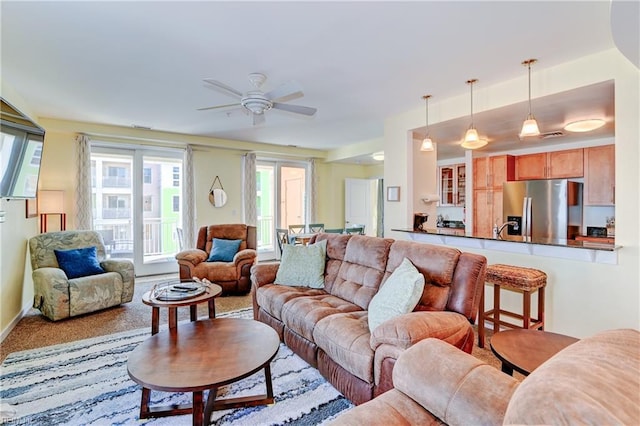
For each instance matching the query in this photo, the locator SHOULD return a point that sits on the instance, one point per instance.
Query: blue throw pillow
(79, 262)
(223, 250)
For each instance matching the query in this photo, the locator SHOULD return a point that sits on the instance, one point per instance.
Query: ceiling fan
(256, 102)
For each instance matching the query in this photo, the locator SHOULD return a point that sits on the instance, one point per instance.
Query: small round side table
(212, 291)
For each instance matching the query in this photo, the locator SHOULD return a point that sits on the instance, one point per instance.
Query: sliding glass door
(281, 201)
(137, 205)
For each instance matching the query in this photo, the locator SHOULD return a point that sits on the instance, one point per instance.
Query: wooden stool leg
(541, 307)
(496, 308)
(526, 296)
(481, 320)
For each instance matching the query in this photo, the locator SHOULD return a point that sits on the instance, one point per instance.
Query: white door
(360, 204)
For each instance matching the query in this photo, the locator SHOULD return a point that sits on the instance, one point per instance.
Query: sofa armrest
(246, 254)
(192, 256)
(51, 292)
(264, 273)
(406, 330)
(124, 267)
(453, 385)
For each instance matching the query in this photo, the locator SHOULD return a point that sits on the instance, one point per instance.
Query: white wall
(582, 298)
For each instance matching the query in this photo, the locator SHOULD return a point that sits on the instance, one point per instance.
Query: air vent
(137, 126)
(548, 135)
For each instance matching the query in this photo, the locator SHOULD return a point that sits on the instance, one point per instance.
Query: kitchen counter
(569, 249)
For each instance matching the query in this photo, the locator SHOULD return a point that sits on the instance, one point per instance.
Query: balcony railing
(160, 238)
(119, 213)
(265, 232)
(116, 182)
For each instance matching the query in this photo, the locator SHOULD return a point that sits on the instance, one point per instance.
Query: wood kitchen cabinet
(489, 174)
(551, 165)
(599, 176)
(452, 184)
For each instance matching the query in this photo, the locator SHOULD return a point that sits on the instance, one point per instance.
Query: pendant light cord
(470, 83)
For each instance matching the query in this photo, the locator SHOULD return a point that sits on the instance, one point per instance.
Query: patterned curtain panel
(188, 218)
(250, 210)
(313, 191)
(84, 214)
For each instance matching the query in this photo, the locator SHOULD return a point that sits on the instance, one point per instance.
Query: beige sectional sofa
(328, 326)
(594, 381)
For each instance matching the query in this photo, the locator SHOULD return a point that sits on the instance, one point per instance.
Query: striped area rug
(86, 383)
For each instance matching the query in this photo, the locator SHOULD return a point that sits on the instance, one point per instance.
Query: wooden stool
(515, 278)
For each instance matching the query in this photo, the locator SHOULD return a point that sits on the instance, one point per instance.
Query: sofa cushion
(336, 249)
(223, 250)
(594, 381)
(398, 295)
(272, 297)
(215, 271)
(92, 293)
(345, 338)
(436, 263)
(225, 232)
(362, 270)
(79, 262)
(302, 265)
(301, 314)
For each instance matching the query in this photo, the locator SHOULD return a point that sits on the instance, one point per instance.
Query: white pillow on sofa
(302, 265)
(399, 294)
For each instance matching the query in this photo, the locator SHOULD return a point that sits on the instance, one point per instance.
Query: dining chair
(282, 235)
(295, 229)
(334, 230)
(359, 230)
(316, 227)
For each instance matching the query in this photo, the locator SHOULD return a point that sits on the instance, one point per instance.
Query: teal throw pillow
(79, 262)
(399, 295)
(302, 266)
(223, 250)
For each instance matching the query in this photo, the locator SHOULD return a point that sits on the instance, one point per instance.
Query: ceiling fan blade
(298, 109)
(219, 107)
(285, 92)
(221, 87)
(258, 119)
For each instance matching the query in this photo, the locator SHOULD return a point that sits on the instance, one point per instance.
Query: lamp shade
(51, 202)
(529, 128)
(427, 144)
(471, 135)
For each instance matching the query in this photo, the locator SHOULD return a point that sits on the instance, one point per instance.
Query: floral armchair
(57, 296)
(233, 274)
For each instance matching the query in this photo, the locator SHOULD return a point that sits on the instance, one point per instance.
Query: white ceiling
(142, 63)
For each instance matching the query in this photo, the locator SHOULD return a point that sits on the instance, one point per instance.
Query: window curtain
(313, 191)
(250, 210)
(188, 218)
(84, 210)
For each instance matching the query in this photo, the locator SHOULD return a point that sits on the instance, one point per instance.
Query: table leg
(197, 409)
(155, 320)
(481, 320)
(212, 308)
(208, 410)
(267, 379)
(507, 369)
(144, 403)
(173, 317)
(193, 312)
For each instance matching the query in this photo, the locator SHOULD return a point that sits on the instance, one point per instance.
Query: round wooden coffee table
(212, 291)
(203, 355)
(524, 350)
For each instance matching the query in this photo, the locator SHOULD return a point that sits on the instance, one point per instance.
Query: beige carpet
(35, 331)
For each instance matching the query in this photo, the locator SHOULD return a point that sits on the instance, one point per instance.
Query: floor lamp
(51, 203)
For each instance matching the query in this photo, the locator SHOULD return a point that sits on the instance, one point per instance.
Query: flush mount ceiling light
(427, 143)
(584, 125)
(471, 138)
(530, 125)
(378, 156)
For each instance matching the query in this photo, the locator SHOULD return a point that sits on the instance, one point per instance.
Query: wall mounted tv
(21, 143)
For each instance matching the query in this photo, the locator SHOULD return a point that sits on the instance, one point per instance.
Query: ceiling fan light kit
(256, 102)
(427, 143)
(530, 125)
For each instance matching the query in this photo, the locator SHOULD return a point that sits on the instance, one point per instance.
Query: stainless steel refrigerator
(544, 211)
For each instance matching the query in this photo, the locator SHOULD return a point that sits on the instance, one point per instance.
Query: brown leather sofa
(328, 327)
(594, 381)
(233, 277)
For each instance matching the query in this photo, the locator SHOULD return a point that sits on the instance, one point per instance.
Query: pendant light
(427, 143)
(471, 138)
(530, 125)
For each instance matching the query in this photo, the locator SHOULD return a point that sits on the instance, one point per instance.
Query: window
(146, 175)
(37, 155)
(176, 203)
(176, 176)
(116, 171)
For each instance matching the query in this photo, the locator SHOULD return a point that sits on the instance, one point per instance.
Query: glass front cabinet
(452, 181)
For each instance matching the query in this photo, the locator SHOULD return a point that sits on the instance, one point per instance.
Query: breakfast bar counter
(584, 251)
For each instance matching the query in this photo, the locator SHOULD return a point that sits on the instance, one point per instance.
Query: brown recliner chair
(234, 276)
